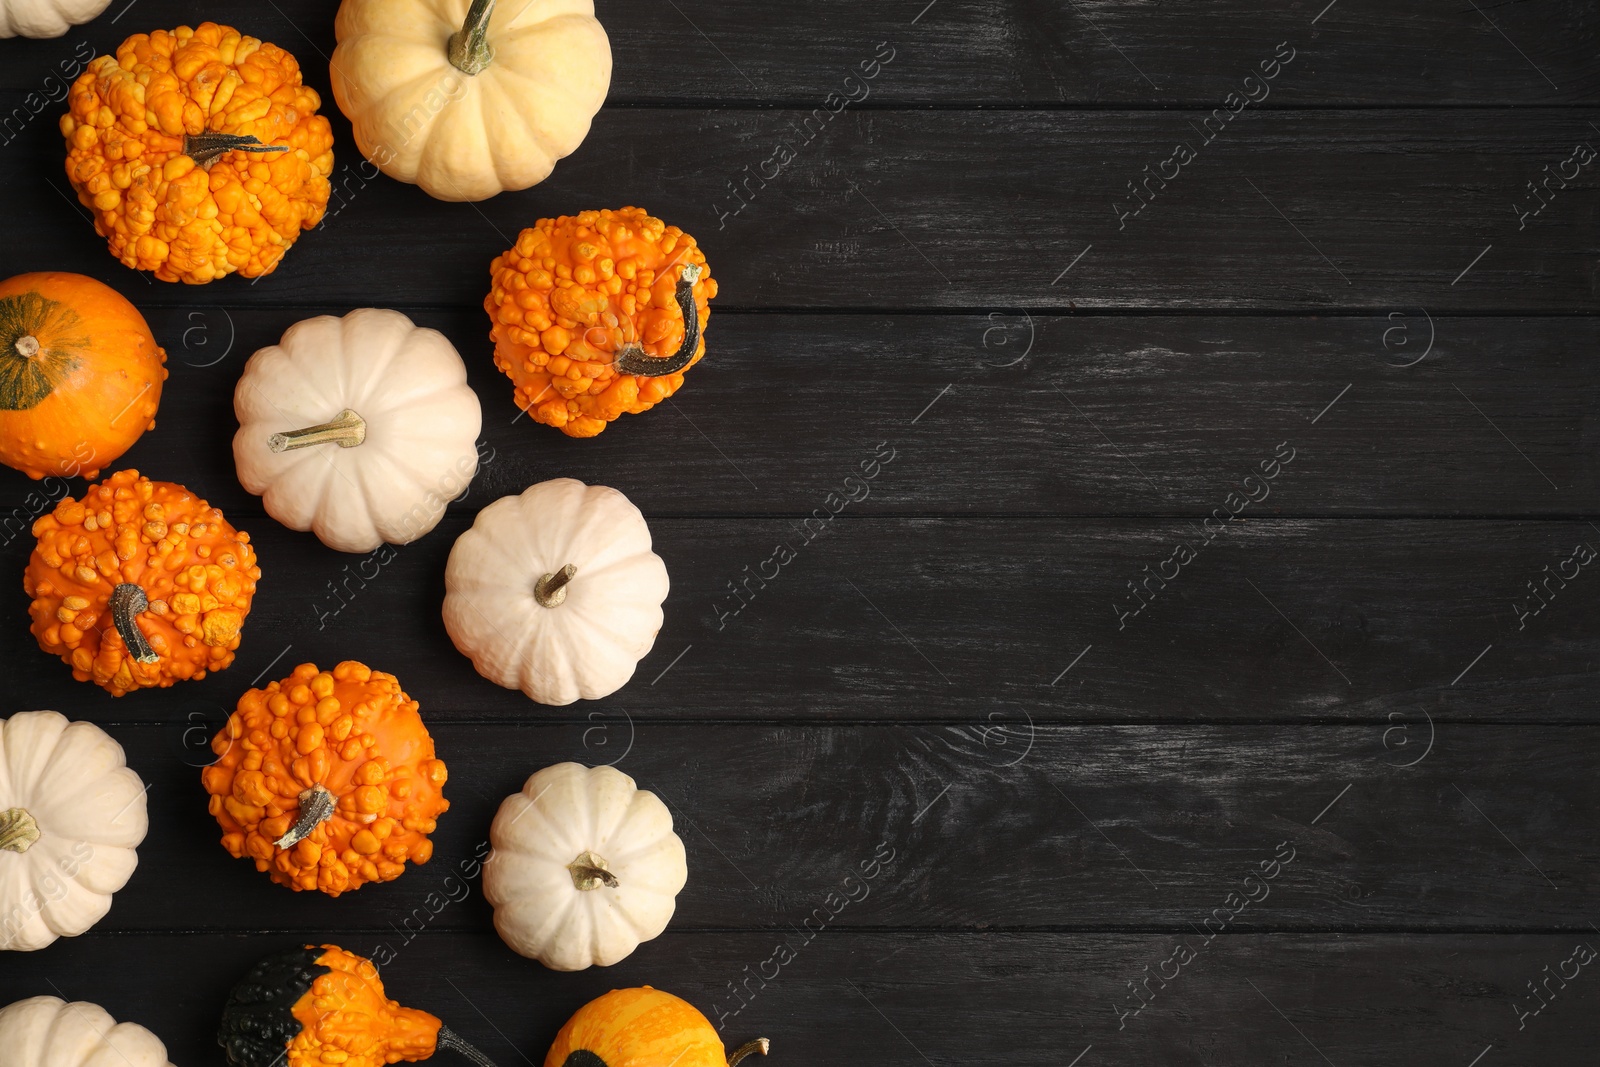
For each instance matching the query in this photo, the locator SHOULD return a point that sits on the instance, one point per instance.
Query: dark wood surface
(1071, 781)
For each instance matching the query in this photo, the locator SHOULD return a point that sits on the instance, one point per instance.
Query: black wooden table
(1181, 668)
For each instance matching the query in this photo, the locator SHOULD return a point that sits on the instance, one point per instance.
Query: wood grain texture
(994, 823)
(918, 998)
(1065, 724)
(1287, 210)
(1004, 413)
(1277, 620)
(1017, 53)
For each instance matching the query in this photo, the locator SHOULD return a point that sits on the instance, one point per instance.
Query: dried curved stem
(128, 601)
(317, 806)
(631, 358)
(206, 148)
(449, 1039)
(760, 1045)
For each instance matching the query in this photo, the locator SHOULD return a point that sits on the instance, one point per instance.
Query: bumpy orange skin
(571, 293)
(640, 1027)
(198, 572)
(347, 1012)
(351, 730)
(160, 211)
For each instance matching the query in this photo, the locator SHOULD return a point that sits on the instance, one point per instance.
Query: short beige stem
(760, 1045)
(551, 590)
(28, 346)
(316, 807)
(346, 429)
(18, 831)
(589, 872)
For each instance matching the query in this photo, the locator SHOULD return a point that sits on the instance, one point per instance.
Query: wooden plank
(1277, 620)
(965, 53)
(921, 209)
(992, 823)
(906, 999)
(1002, 414)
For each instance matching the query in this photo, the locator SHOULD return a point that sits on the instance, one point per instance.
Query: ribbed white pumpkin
(49, 1032)
(46, 18)
(385, 475)
(467, 99)
(585, 867)
(71, 816)
(507, 609)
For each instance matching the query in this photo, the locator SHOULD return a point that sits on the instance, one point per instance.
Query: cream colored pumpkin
(71, 816)
(46, 18)
(49, 1032)
(556, 591)
(465, 98)
(360, 429)
(585, 866)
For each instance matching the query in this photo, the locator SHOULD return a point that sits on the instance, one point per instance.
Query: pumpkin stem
(346, 429)
(469, 46)
(206, 148)
(589, 872)
(551, 590)
(316, 807)
(127, 601)
(28, 346)
(760, 1045)
(449, 1039)
(18, 831)
(631, 358)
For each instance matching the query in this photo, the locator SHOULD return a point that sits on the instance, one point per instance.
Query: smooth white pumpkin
(585, 867)
(71, 817)
(465, 98)
(507, 608)
(360, 429)
(49, 1032)
(46, 18)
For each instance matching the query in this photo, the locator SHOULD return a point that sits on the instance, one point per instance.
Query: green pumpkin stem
(449, 1039)
(128, 601)
(760, 1045)
(469, 46)
(631, 358)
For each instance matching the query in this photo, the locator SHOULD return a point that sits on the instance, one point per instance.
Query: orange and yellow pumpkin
(80, 375)
(139, 584)
(598, 315)
(200, 152)
(643, 1027)
(327, 779)
(321, 1007)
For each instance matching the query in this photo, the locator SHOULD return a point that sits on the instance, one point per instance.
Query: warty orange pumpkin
(200, 152)
(327, 779)
(325, 1007)
(643, 1027)
(139, 584)
(80, 374)
(598, 315)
